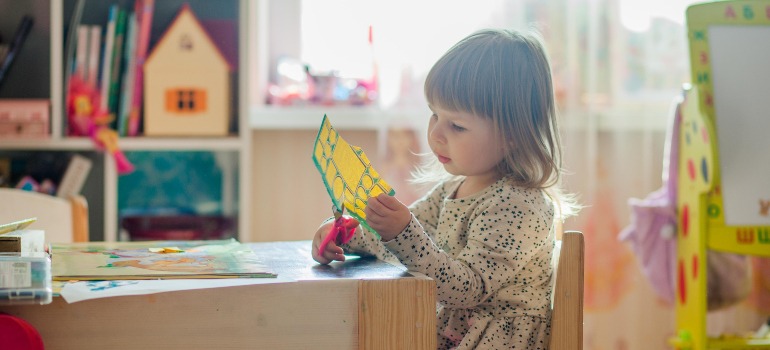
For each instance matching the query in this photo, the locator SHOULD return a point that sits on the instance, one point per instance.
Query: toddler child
(485, 232)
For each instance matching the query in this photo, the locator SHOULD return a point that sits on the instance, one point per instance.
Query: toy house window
(185, 101)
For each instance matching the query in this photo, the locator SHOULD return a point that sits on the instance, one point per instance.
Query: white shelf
(311, 117)
(188, 144)
(44, 144)
(128, 144)
(348, 117)
(372, 118)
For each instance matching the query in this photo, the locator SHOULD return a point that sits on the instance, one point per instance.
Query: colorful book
(117, 57)
(109, 41)
(126, 98)
(144, 11)
(81, 53)
(135, 260)
(94, 46)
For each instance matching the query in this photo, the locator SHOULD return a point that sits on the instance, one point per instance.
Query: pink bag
(652, 237)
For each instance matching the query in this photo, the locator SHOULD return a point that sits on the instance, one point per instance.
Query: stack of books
(110, 59)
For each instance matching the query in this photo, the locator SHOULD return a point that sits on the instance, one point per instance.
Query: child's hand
(332, 251)
(387, 216)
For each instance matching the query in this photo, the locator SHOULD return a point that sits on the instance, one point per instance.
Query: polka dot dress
(490, 255)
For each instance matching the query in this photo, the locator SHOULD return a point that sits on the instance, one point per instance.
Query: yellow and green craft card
(347, 173)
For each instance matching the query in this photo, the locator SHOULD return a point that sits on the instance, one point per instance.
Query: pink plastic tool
(341, 232)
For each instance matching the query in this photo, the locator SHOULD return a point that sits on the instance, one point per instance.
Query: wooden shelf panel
(347, 117)
(232, 143)
(189, 144)
(45, 144)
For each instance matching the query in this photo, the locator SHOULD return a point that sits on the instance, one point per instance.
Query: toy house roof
(186, 9)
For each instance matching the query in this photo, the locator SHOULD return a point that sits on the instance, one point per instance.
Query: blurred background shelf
(128, 144)
(39, 73)
(342, 117)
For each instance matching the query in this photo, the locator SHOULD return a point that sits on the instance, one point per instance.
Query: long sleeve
(365, 243)
(428, 209)
(503, 235)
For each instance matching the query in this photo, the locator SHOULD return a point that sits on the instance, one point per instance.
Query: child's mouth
(443, 159)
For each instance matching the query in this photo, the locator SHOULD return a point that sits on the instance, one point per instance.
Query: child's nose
(436, 134)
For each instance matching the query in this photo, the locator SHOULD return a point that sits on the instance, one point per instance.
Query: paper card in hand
(347, 173)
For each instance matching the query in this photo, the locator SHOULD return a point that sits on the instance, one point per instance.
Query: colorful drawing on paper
(346, 172)
(104, 285)
(135, 260)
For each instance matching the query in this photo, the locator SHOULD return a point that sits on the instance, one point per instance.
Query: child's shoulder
(446, 187)
(506, 191)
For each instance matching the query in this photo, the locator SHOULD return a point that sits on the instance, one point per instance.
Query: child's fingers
(329, 238)
(334, 248)
(320, 258)
(371, 215)
(388, 201)
(333, 252)
(351, 223)
(373, 221)
(376, 207)
(317, 241)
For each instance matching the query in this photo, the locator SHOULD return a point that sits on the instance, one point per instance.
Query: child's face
(464, 143)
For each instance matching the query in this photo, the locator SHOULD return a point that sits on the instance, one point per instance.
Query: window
(621, 60)
(185, 101)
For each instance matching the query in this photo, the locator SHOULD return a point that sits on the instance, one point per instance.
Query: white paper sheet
(739, 58)
(86, 290)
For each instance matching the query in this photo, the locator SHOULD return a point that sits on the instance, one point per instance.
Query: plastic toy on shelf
(298, 83)
(86, 119)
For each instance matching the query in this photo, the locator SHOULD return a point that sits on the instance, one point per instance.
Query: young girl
(485, 232)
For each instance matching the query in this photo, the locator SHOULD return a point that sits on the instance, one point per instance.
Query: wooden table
(356, 304)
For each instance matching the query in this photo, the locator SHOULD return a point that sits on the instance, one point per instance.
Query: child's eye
(457, 127)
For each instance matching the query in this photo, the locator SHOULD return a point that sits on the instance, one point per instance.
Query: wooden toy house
(187, 82)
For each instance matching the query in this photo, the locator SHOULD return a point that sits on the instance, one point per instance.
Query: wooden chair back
(63, 220)
(567, 314)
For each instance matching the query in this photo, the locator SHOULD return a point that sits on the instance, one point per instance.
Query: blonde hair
(504, 75)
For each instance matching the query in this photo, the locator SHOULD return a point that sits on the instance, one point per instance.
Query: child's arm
(426, 210)
(501, 241)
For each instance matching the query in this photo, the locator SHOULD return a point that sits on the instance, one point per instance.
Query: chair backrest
(567, 315)
(63, 220)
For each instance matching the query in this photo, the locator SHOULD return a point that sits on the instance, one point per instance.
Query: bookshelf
(46, 44)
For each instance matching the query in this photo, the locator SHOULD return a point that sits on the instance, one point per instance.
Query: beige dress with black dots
(490, 255)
